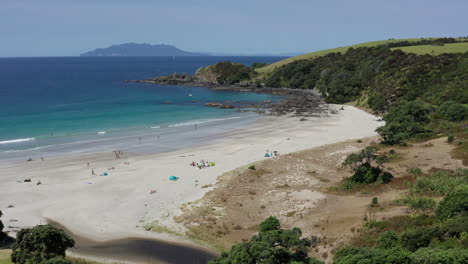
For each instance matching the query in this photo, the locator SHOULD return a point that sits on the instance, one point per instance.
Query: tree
(404, 121)
(356, 160)
(271, 223)
(1, 226)
(40, 243)
(271, 245)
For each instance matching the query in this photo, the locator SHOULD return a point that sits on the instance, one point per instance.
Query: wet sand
(136, 250)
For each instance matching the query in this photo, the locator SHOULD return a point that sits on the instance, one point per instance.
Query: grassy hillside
(436, 50)
(423, 49)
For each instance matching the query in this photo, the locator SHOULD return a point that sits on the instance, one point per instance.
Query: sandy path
(119, 205)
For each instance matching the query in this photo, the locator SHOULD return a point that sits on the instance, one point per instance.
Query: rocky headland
(238, 77)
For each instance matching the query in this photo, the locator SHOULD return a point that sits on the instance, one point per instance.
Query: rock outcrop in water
(238, 77)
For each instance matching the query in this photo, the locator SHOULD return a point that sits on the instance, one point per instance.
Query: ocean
(50, 106)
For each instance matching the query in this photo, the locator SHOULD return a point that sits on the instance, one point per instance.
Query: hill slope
(137, 49)
(420, 49)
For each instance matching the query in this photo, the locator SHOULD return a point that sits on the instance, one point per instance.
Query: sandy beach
(137, 194)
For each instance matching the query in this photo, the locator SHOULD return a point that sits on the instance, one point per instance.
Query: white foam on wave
(156, 127)
(101, 132)
(197, 122)
(17, 140)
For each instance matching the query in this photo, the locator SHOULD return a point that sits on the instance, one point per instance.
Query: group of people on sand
(269, 153)
(202, 164)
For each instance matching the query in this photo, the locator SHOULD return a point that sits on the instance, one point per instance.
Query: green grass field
(436, 50)
(5, 256)
(423, 49)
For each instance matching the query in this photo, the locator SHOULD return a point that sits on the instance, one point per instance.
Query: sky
(30, 28)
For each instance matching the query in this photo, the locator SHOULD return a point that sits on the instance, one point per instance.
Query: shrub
(375, 202)
(388, 239)
(415, 171)
(450, 138)
(440, 256)
(453, 203)
(420, 204)
(440, 182)
(452, 111)
(414, 239)
(252, 167)
(352, 255)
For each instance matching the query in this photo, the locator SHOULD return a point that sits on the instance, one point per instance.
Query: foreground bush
(40, 243)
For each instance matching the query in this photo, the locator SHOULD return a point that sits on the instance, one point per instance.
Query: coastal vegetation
(226, 73)
(415, 45)
(418, 95)
(271, 245)
(426, 236)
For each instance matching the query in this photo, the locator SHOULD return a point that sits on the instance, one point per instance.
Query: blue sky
(71, 27)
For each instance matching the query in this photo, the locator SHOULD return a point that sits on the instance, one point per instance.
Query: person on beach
(92, 172)
(88, 164)
(158, 137)
(42, 158)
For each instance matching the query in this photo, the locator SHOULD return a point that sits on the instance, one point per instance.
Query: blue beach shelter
(105, 174)
(173, 178)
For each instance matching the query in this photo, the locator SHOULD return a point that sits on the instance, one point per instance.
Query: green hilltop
(418, 49)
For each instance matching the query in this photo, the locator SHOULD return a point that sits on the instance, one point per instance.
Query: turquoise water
(52, 105)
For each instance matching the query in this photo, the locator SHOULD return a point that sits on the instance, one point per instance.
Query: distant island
(140, 49)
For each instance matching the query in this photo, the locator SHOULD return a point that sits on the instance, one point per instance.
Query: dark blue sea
(82, 104)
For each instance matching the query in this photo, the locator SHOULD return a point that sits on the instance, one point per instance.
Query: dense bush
(440, 256)
(381, 76)
(414, 239)
(404, 121)
(271, 245)
(453, 203)
(452, 111)
(40, 243)
(388, 239)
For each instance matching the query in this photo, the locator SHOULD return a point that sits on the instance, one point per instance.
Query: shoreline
(120, 205)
